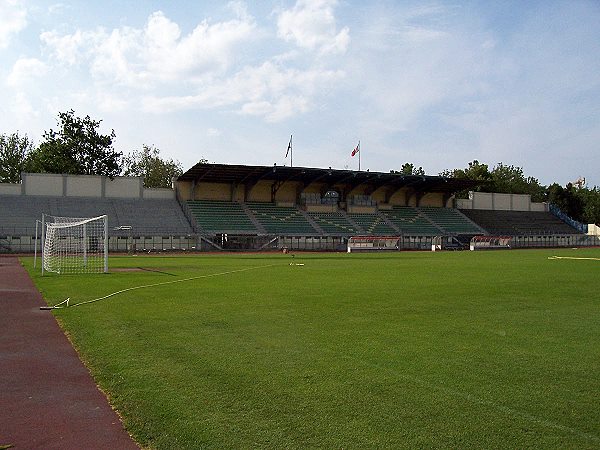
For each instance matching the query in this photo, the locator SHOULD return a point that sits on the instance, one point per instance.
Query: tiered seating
(450, 220)
(518, 223)
(281, 219)
(146, 216)
(18, 214)
(411, 221)
(214, 216)
(372, 224)
(334, 223)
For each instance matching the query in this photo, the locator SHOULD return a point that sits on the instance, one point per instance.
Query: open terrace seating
(18, 214)
(519, 223)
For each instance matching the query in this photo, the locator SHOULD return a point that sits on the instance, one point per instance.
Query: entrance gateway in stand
(373, 243)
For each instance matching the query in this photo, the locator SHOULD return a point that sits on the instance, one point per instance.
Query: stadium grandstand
(215, 207)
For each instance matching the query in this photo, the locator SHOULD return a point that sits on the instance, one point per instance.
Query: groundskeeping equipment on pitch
(74, 245)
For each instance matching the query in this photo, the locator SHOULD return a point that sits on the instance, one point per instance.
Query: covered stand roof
(240, 174)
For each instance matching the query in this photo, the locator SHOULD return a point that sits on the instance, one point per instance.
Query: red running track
(48, 399)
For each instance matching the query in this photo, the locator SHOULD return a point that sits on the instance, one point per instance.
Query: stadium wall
(10, 189)
(94, 186)
(500, 202)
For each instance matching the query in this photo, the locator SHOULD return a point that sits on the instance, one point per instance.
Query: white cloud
(24, 70)
(67, 49)
(311, 25)
(13, 18)
(158, 53)
(266, 90)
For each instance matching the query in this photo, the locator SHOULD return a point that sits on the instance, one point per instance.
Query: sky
(437, 84)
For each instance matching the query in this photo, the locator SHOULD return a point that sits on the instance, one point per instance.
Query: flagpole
(291, 152)
(359, 155)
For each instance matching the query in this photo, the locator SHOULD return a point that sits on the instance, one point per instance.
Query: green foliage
(76, 148)
(14, 150)
(580, 203)
(502, 178)
(511, 180)
(591, 202)
(340, 354)
(475, 171)
(147, 163)
(410, 169)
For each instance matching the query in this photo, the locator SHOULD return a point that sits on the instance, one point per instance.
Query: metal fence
(158, 243)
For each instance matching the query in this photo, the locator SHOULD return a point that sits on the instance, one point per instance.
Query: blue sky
(437, 84)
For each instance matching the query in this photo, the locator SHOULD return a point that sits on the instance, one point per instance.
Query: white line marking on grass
(574, 257)
(58, 305)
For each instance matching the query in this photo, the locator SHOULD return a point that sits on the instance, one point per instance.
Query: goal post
(374, 243)
(74, 245)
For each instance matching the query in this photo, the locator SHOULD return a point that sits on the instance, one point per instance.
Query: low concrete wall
(123, 187)
(84, 186)
(63, 185)
(500, 202)
(159, 193)
(48, 184)
(10, 189)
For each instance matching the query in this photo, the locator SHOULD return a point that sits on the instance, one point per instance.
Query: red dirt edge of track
(48, 399)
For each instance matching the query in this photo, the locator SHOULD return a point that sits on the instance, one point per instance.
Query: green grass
(411, 350)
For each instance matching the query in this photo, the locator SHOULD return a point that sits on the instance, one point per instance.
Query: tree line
(575, 199)
(77, 147)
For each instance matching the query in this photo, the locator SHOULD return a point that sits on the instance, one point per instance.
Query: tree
(567, 200)
(511, 180)
(76, 148)
(147, 163)
(475, 171)
(14, 150)
(591, 205)
(411, 169)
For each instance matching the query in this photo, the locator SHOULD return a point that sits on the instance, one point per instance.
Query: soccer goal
(74, 245)
(373, 243)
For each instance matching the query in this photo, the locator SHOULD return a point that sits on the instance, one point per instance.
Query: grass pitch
(408, 350)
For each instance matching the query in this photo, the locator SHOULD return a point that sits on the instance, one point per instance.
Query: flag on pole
(289, 147)
(356, 149)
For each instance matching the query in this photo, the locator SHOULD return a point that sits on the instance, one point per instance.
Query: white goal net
(75, 245)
